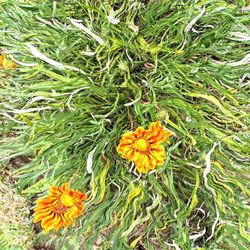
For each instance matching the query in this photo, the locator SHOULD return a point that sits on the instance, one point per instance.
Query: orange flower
(59, 208)
(6, 64)
(144, 147)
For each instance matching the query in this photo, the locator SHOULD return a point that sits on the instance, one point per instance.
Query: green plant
(80, 85)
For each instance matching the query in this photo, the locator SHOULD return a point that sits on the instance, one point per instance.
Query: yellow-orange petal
(46, 222)
(124, 149)
(129, 155)
(55, 191)
(126, 142)
(49, 201)
(64, 187)
(144, 159)
(156, 133)
(153, 161)
(160, 158)
(139, 132)
(151, 166)
(57, 223)
(129, 136)
(42, 209)
(136, 156)
(40, 216)
(80, 207)
(64, 221)
(141, 168)
(81, 196)
(50, 224)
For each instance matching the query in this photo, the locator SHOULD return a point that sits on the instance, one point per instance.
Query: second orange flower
(60, 208)
(144, 147)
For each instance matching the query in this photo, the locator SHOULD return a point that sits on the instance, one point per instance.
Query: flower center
(67, 200)
(141, 144)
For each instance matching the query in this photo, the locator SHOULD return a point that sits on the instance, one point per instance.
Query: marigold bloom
(59, 208)
(144, 147)
(6, 64)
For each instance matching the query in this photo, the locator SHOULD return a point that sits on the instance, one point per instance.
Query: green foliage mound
(88, 71)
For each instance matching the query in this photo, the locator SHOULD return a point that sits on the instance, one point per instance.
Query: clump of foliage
(87, 71)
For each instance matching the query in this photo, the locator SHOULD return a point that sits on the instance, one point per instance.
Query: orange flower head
(60, 208)
(144, 147)
(6, 64)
